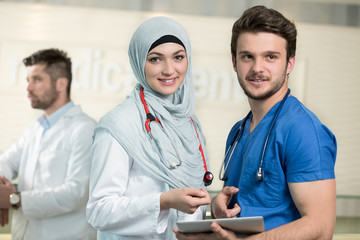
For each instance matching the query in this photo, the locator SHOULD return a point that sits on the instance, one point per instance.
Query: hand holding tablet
(243, 225)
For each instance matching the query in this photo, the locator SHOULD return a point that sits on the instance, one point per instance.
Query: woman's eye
(154, 59)
(179, 57)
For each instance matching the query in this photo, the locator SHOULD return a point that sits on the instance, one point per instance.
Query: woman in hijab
(148, 153)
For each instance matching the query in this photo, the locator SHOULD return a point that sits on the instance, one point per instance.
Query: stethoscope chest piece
(208, 178)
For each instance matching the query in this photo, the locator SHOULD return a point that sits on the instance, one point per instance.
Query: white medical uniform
(53, 172)
(131, 193)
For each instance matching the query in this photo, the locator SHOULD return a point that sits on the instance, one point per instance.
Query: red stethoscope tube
(208, 176)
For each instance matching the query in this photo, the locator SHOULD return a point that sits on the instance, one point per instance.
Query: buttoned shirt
(53, 168)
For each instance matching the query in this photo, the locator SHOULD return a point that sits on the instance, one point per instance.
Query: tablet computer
(242, 225)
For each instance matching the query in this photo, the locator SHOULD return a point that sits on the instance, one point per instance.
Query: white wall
(326, 76)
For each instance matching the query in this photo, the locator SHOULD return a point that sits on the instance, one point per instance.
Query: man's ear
(290, 65)
(233, 59)
(61, 84)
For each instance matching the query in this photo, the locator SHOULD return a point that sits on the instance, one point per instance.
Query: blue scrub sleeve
(310, 152)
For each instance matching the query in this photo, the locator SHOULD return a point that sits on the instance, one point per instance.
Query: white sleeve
(108, 208)
(10, 160)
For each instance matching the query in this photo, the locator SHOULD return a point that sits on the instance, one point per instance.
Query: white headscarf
(127, 121)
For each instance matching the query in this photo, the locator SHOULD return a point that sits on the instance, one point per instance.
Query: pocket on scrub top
(259, 194)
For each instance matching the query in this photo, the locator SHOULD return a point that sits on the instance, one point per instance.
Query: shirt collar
(48, 122)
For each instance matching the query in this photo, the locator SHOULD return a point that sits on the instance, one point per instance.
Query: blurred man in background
(51, 160)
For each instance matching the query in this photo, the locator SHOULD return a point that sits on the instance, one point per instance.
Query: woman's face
(165, 67)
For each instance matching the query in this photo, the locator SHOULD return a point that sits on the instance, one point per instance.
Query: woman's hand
(184, 199)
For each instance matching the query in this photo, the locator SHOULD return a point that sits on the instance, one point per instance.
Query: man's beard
(274, 87)
(47, 99)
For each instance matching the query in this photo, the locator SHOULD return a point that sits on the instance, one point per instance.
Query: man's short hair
(57, 64)
(262, 19)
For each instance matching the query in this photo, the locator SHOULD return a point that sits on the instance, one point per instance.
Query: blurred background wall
(96, 34)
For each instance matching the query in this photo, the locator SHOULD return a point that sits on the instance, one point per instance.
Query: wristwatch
(15, 200)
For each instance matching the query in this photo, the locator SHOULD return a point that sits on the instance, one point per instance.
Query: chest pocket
(52, 168)
(260, 194)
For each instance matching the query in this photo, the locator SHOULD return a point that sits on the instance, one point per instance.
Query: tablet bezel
(243, 225)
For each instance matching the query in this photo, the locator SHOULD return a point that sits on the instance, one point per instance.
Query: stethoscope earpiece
(260, 175)
(174, 165)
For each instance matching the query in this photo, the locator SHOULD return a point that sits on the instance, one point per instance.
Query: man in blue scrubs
(295, 191)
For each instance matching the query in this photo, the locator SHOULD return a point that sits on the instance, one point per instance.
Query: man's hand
(222, 233)
(6, 189)
(4, 217)
(221, 201)
(184, 199)
(218, 234)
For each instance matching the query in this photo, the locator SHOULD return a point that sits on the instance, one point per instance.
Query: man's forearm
(303, 228)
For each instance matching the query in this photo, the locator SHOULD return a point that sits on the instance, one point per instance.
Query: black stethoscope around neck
(208, 176)
(236, 139)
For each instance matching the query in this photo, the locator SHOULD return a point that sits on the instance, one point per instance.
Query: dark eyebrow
(244, 52)
(181, 50)
(155, 53)
(160, 54)
(266, 53)
(273, 53)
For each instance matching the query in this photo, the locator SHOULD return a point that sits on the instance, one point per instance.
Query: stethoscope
(236, 139)
(208, 176)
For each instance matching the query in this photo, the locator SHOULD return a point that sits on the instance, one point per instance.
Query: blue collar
(48, 122)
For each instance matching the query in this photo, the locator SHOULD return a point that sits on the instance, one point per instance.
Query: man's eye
(246, 57)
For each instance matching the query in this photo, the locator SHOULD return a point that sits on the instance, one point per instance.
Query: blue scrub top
(300, 149)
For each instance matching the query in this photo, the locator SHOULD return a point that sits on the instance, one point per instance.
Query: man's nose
(29, 86)
(258, 66)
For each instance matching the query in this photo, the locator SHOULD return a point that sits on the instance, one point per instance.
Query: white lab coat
(53, 174)
(124, 200)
